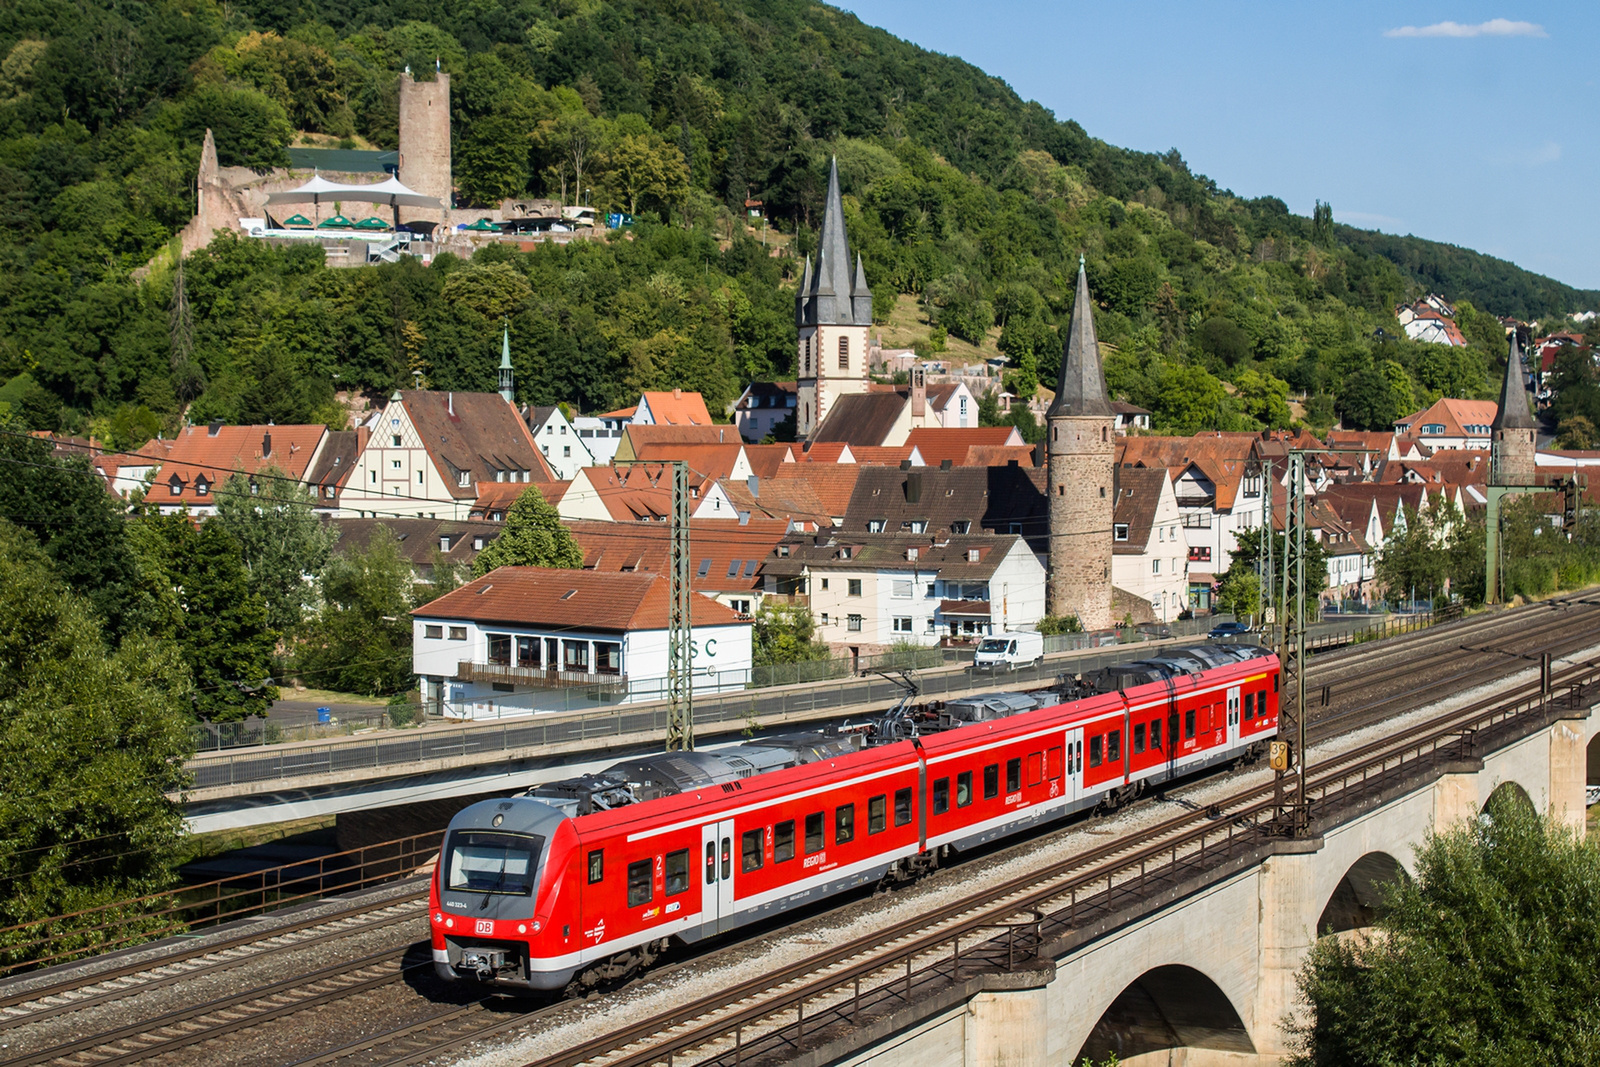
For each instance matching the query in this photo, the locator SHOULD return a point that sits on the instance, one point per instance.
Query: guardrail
(182, 909)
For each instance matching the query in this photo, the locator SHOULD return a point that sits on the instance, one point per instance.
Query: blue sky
(1462, 122)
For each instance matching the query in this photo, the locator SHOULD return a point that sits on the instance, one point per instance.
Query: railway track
(457, 1026)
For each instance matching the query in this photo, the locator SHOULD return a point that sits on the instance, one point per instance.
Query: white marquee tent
(320, 190)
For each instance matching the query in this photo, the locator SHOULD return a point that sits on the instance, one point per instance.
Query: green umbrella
(372, 222)
(483, 226)
(296, 221)
(338, 222)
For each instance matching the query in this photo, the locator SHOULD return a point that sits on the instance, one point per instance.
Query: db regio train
(591, 878)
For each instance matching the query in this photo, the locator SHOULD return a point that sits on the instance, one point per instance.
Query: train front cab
(500, 899)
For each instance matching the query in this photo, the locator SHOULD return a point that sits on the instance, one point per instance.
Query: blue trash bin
(324, 715)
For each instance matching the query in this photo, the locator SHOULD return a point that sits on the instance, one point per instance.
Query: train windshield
(488, 861)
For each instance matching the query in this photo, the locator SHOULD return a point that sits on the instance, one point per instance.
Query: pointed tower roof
(833, 249)
(505, 348)
(860, 286)
(1082, 389)
(1514, 413)
(832, 293)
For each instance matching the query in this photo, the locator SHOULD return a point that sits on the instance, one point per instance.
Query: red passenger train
(592, 877)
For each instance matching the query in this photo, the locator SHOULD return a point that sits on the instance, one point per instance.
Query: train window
(1052, 763)
(941, 796)
(727, 858)
(991, 781)
(1097, 751)
(597, 865)
(1013, 775)
(711, 863)
(751, 847)
(1035, 768)
(1261, 703)
(677, 871)
(1274, 683)
(783, 841)
(1113, 746)
(844, 823)
(1138, 738)
(640, 887)
(1155, 734)
(877, 814)
(1188, 724)
(963, 789)
(902, 806)
(815, 841)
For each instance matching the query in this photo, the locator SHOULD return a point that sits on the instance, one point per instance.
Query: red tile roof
(716, 547)
(765, 459)
(209, 455)
(939, 443)
(831, 482)
(570, 600)
(475, 432)
(677, 408)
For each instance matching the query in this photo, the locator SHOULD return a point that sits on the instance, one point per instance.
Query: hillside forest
(970, 205)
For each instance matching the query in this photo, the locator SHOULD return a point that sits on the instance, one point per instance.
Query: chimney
(720, 432)
(266, 445)
(946, 464)
(677, 393)
(754, 485)
(905, 464)
(214, 428)
(913, 487)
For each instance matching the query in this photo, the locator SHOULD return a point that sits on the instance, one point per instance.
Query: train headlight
(451, 923)
(522, 928)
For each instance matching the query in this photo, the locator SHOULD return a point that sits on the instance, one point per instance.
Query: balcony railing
(794, 600)
(538, 678)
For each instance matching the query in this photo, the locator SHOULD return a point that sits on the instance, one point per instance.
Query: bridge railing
(183, 909)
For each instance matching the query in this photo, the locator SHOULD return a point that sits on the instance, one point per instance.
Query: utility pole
(1294, 817)
(680, 620)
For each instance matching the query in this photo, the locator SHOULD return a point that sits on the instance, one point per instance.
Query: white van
(1009, 651)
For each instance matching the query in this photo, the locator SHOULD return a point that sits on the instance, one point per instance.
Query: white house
(1149, 556)
(522, 640)
(600, 435)
(558, 439)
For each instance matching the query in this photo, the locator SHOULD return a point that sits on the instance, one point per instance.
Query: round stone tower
(425, 142)
(1514, 436)
(1081, 477)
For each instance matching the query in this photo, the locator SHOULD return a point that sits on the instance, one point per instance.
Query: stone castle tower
(1082, 469)
(425, 141)
(1515, 434)
(833, 310)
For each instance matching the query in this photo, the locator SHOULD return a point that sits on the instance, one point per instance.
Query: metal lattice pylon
(1294, 814)
(680, 623)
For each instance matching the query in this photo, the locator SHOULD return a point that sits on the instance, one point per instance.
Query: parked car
(1154, 630)
(1009, 651)
(1228, 629)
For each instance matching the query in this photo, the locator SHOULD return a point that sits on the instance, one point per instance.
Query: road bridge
(1195, 965)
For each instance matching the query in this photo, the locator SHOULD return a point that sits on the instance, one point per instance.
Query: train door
(1233, 716)
(1072, 780)
(716, 883)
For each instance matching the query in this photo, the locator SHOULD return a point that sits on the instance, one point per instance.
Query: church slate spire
(506, 389)
(830, 295)
(1514, 413)
(1082, 388)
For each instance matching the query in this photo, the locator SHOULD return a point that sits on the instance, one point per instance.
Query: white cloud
(1492, 28)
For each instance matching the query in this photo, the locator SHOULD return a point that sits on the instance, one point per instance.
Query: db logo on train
(485, 926)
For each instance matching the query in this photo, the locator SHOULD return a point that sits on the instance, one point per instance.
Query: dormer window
(464, 479)
(844, 553)
(176, 487)
(961, 526)
(974, 555)
(200, 487)
(875, 525)
(477, 544)
(1119, 531)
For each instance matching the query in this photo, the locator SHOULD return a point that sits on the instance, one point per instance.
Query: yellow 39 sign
(1279, 756)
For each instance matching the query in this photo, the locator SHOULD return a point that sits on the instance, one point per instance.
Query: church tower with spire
(1081, 476)
(833, 311)
(1514, 437)
(506, 388)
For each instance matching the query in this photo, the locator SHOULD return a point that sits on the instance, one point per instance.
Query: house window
(463, 479)
(433, 631)
(201, 487)
(566, 451)
(918, 525)
(419, 477)
(932, 586)
(575, 656)
(607, 657)
(902, 590)
(373, 477)
(853, 586)
(477, 542)
(176, 487)
(1155, 566)
(824, 618)
(741, 606)
(930, 624)
(394, 440)
(824, 583)
(963, 407)
(961, 526)
(875, 525)
(527, 652)
(458, 633)
(902, 624)
(853, 623)
(500, 649)
(394, 464)
(844, 353)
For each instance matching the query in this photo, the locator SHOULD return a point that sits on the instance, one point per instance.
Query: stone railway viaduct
(1208, 978)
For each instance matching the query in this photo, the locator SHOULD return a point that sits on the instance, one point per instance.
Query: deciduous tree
(532, 537)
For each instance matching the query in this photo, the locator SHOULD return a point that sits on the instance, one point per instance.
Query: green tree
(283, 543)
(1414, 555)
(531, 537)
(360, 641)
(1490, 956)
(643, 167)
(1248, 552)
(1240, 593)
(90, 744)
(785, 633)
(218, 620)
(1577, 432)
